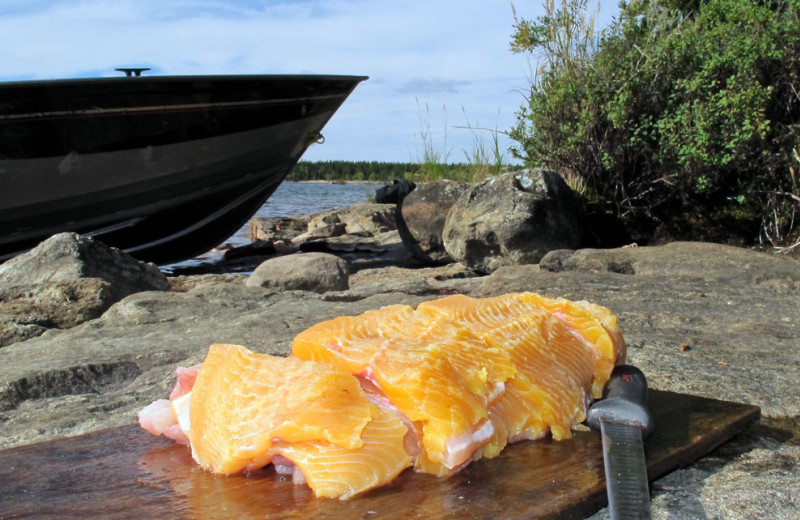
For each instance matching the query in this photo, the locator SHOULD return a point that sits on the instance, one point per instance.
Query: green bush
(679, 108)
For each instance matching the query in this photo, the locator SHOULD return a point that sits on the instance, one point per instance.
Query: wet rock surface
(703, 319)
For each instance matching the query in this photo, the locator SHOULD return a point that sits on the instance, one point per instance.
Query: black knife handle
(624, 401)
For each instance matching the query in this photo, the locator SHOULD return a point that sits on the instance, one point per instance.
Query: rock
(66, 280)
(323, 231)
(69, 256)
(256, 248)
(277, 229)
(317, 272)
(335, 229)
(394, 193)
(30, 310)
(589, 260)
(377, 244)
(512, 219)
(385, 249)
(737, 311)
(704, 262)
(14, 331)
(732, 306)
(421, 216)
(366, 219)
(128, 356)
(186, 283)
(419, 281)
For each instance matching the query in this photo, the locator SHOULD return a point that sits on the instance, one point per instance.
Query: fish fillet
(246, 408)
(361, 398)
(471, 374)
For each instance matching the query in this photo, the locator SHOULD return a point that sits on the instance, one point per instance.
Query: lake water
(306, 198)
(292, 199)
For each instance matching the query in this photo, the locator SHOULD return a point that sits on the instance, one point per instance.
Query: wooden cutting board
(127, 473)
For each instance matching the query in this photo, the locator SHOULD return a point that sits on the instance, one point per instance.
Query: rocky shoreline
(85, 348)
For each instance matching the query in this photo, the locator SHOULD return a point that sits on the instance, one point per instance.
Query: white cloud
(444, 52)
(427, 86)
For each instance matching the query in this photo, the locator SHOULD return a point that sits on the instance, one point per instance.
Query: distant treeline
(388, 171)
(352, 171)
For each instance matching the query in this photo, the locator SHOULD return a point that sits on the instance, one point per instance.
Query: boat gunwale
(187, 107)
(182, 78)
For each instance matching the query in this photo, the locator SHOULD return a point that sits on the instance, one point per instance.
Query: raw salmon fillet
(471, 375)
(361, 398)
(246, 408)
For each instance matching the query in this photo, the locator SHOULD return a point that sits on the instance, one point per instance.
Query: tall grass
(434, 158)
(485, 159)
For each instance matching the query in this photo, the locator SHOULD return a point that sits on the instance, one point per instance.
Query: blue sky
(434, 65)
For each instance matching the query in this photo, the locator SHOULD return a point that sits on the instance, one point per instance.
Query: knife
(624, 420)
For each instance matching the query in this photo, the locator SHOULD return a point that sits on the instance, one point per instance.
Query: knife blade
(623, 418)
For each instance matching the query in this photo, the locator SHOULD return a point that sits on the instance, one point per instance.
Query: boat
(162, 167)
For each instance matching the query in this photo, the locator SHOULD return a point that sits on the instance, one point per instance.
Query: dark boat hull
(162, 167)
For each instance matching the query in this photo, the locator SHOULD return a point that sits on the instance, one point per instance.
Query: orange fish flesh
(472, 374)
(246, 408)
(364, 397)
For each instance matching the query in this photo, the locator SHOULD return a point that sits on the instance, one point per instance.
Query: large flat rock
(704, 319)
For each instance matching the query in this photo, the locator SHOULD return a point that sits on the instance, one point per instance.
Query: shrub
(680, 107)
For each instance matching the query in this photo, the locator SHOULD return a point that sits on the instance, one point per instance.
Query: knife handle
(624, 401)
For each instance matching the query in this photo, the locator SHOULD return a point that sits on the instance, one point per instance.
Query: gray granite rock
(66, 280)
(69, 256)
(30, 310)
(514, 218)
(362, 252)
(367, 219)
(421, 217)
(335, 229)
(317, 272)
(128, 357)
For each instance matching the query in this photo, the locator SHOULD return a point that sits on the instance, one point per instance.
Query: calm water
(306, 198)
(289, 200)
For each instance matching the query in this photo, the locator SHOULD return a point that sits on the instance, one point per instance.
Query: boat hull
(164, 168)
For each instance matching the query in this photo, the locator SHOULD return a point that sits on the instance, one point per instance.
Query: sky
(442, 75)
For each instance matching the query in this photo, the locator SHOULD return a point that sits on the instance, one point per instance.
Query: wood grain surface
(127, 473)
